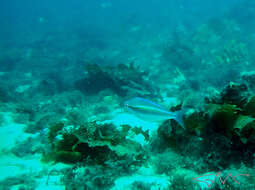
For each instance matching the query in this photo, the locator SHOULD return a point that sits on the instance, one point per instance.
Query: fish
(148, 110)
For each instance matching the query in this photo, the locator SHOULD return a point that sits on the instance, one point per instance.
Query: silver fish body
(148, 110)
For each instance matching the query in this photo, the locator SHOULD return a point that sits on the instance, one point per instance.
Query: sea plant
(71, 144)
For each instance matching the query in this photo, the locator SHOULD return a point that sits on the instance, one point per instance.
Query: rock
(249, 78)
(235, 94)
(123, 80)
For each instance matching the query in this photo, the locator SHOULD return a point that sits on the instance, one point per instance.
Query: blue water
(67, 67)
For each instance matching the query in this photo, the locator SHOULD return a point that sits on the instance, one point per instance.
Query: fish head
(133, 102)
(127, 106)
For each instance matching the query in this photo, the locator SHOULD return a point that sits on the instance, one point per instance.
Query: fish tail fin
(179, 118)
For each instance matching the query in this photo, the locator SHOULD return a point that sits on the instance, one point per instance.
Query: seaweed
(93, 84)
(233, 52)
(54, 129)
(244, 128)
(249, 79)
(68, 157)
(196, 122)
(223, 119)
(235, 94)
(100, 142)
(224, 131)
(122, 80)
(250, 107)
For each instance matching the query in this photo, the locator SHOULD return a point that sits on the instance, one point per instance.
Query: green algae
(223, 118)
(68, 157)
(92, 140)
(54, 129)
(250, 107)
(196, 122)
(244, 128)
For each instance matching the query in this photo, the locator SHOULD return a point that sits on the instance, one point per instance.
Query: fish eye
(126, 105)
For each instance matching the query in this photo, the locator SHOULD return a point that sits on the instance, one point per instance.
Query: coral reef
(124, 80)
(99, 142)
(62, 120)
(225, 123)
(233, 53)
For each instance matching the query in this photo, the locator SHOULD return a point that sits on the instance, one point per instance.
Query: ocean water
(70, 70)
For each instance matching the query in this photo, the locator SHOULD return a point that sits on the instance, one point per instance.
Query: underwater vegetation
(219, 46)
(91, 140)
(227, 120)
(223, 130)
(63, 117)
(124, 80)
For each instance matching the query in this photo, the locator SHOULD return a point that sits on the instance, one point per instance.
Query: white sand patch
(11, 133)
(51, 181)
(145, 176)
(12, 166)
(133, 121)
(50, 187)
